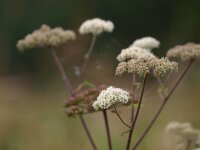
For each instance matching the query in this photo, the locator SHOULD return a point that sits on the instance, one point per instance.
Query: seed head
(183, 133)
(185, 52)
(45, 37)
(155, 66)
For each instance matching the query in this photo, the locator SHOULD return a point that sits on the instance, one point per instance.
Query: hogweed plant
(137, 60)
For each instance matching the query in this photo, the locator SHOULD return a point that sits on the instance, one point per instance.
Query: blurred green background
(32, 93)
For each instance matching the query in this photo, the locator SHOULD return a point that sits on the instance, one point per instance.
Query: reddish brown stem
(68, 86)
(136, 115)
(107, 129)
(87, 59)
(132, 102)
(165, 99)
(87, 132)
(69, 90)
(120, 118)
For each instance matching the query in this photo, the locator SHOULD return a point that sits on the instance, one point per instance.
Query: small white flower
(146, 42)
(96, 26)
(134, 52)
(109, 97)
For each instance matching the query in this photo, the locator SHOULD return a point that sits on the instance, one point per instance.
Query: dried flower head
(82, 101)
(110, 97)
(185, 52)
(155, 66)
(134, 52)
(161, 67)
(96, 26)
(183, 133)
(146, 43)
(45, 37)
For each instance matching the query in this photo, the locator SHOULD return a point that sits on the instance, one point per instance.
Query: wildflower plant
(137, 60)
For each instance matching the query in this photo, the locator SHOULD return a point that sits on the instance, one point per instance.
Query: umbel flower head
(155, 66)
(110, 97)
(96, 26)
(134, 52)
(183, 133)
(46, 37)
(185, 52)
(146, 43)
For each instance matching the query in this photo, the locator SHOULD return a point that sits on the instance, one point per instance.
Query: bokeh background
(32, 93)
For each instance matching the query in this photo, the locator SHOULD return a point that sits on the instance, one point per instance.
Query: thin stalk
(65, 78)
(120, 118)
(107, 129)
(136, 115)
(70, 92)
(165, 100)
(161, 86)
(86, 58)
(87, 132)
(132, 102)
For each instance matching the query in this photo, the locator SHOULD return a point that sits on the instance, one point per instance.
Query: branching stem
(86, 60)
(70, 92)
(137, 114)
(120, 118)
(165, 99)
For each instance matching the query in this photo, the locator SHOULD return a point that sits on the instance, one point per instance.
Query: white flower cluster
(134, 52)
(109, 97)
(146, 43)
(45, 37)
(96, 26)
(183, 134)
(185, 52)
